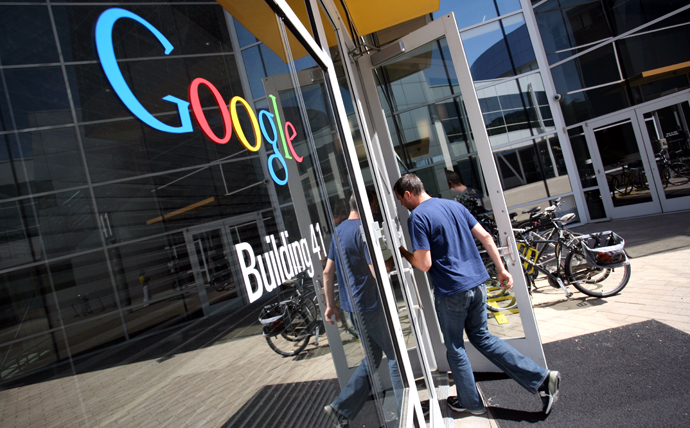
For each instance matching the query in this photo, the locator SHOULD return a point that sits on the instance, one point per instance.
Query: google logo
(266, 124)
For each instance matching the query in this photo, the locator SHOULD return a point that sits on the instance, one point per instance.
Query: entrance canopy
(367, 17)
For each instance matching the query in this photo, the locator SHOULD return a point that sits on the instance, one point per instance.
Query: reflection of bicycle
(629, 180)
(289, 323)
(674, 172)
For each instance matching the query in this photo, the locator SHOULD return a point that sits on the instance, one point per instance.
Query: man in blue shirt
(349, 259)
(442, 234)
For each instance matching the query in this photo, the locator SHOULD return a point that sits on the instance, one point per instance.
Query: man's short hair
(409, 183)
(453, 177)
(353, 203)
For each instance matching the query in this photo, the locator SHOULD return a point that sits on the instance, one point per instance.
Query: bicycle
(289, 323)
(674, 172)
(596, 264)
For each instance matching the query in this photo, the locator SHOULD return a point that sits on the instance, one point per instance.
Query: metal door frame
(446, 27)
(228, 246)
(675, 204)
(613, 212)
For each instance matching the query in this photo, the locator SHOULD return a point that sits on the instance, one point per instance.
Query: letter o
(199, 112)
(238, 126)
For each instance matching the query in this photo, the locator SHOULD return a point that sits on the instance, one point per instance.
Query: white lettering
(306, 256)
(249, 270)
(285, 258)
(272, 284)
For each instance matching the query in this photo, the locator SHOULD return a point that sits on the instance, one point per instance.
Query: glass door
(665, 135)
(212, 262)
(622, 167)
(641, 158)
(426, 119)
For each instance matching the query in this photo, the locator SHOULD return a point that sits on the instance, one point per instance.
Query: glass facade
(604, 54)
(142, 240)
(171, 171)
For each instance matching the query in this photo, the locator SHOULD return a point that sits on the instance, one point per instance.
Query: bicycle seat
(532, 210)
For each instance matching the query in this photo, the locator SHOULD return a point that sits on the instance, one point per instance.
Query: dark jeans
(375, 336)
(467, 310)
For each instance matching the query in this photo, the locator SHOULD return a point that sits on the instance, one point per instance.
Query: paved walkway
(207, 386)
(659, 249)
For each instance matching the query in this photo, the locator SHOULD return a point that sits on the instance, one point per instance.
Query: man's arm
(504, 277)
(329, 289)
(421, 259)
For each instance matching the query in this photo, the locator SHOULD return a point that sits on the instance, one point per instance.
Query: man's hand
(330, 312)
(505, 279)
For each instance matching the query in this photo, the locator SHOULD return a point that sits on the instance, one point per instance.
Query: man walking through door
(442, 233)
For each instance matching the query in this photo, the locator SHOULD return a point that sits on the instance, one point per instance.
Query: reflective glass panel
(583, 160)
(668, 131)
(20, 26)
(566, 25)
(625, 173)
(499, 49)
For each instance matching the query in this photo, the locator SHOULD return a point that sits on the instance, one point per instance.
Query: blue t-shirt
(359, 286)
(444, 227)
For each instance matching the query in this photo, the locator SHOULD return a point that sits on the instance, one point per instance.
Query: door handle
(419, 304)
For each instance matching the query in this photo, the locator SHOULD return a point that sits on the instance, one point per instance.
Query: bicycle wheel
(681, 174)
(294, 338)
(592, 280)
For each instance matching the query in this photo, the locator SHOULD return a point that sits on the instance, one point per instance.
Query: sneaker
(455, 405)
(548, 391)
(338, 420)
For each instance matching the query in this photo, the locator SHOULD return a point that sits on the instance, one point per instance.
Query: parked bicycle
(673, 172)
(289, 323)
(596, 264)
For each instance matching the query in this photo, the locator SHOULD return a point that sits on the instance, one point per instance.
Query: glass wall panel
(36, 97)
(515, 109)
(26, 302)
(592, 69)
(67, 222)
(580, 106)
(625, 16)
(191, 29)
(521, 173)
(476, 12)
(583, 160)
(83, 288)
(85, 337)
(499, 49)
(28, 355)
(566, 25)
(652, 50)
(21, 26)
(20, 241)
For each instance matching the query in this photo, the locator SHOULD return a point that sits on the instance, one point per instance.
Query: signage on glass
(265, 124)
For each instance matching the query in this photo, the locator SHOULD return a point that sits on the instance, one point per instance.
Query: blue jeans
(376, 340)
(467, 310)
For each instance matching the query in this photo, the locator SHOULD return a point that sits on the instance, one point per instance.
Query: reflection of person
(442, 234)
(352, 264)
(144, 280)
(340, 211)
(471, 198)
(374, 205)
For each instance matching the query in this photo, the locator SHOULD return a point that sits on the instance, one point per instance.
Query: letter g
(106, 53)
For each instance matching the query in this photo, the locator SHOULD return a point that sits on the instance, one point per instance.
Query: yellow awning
(368, 16)
(371, 16)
